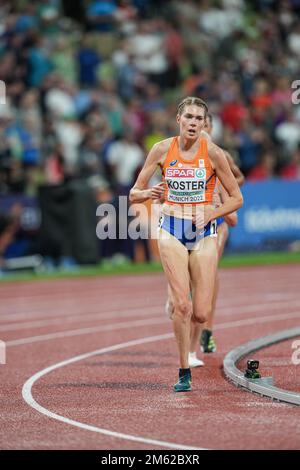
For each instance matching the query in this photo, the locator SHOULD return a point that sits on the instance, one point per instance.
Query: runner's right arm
(140, 192)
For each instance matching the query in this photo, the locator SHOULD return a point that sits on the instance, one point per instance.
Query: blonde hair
(192, 100)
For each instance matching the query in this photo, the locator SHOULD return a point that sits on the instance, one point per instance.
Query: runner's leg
(175, 261)
(222, 238)
(203, 266)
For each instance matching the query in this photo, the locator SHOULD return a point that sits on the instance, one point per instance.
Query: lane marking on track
(122, 325)
(27, 387)
(61, 309)
(138, 312)
(225, 309)
(36, 310)
(27, 395)
(87, 331)
(250, 321)
(81, 318)
(78, 313)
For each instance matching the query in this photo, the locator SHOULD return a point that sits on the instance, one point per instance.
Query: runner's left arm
(235, 169)
(221, 166)
(230, 219)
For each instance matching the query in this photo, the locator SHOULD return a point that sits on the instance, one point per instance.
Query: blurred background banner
(270, 217)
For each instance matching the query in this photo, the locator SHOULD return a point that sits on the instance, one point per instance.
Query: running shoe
(207, 342)
(194, 361)
(184, 382)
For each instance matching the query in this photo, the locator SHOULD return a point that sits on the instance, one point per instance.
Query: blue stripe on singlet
(185, 230)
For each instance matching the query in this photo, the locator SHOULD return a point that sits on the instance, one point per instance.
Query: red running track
(121, 397)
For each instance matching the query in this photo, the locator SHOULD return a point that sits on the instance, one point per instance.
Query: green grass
(258, 259)
(109, 269)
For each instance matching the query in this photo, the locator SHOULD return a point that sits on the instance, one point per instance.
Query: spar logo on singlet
(186, 173)
(200, 173)
(186, 185)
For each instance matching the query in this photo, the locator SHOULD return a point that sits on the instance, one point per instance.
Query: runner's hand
(157, 191)
(203, 216)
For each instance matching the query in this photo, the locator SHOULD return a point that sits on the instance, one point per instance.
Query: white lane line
(87, 331)
(37, 310)
(27, 396)
(258, 284)
(53, 310)
(140, 311)
(61, 311)
(45, 317)
(258, 308)
(27, 387)
(251, 321)
(82, 331)
(81, 318)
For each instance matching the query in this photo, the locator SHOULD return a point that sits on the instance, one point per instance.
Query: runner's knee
(183, 308)
(201, 314)
(200, 317)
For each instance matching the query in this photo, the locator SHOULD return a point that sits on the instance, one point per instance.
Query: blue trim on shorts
(220, 220)
(185, 230)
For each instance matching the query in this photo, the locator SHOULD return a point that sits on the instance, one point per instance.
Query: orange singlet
(188, 182)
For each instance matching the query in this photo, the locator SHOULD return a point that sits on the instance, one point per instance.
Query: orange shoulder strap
(203, 151)
(172, 152)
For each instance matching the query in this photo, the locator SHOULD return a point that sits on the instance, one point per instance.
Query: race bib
(186, 185)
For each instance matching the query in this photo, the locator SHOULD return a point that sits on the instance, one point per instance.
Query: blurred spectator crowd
(92, 85)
